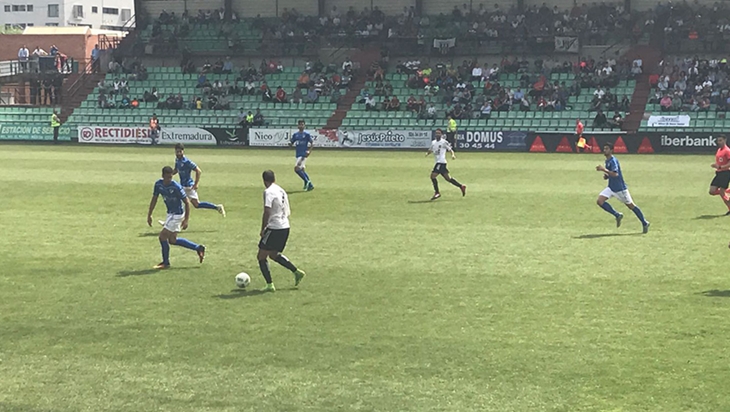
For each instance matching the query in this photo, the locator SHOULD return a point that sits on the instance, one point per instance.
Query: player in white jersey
(439, 148)
(275, 231)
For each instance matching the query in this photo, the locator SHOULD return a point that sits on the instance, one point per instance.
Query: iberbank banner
(363, 139)
(170, 135)
(641, 143)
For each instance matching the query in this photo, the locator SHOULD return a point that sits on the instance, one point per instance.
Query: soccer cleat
(298, 276)
(463, 190)
(221, 210)
(619, 218)
(309, 187)
(162, 222)
(161, 265)
(201, 252)
(306, 184)
(436, 196)
(269, 288)
(727, 213)
(646, 228)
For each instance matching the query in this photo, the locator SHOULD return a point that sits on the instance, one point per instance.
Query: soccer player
(439, 147)
(617, 188)
(275, 231)
(174, 196)
(184, 167)
(721, 180)
(304, 143)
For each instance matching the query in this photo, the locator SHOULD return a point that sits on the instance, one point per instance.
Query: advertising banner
(394, 139)
(114, 134)
(491, 141)
(168, 135)
(566, 143)
(34, 131)
(683, 142)
(681, 120)
(566, 44)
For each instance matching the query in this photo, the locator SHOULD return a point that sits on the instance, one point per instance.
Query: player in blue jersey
(178, 212)
(303, 143)
(617, 188)
(185, 167)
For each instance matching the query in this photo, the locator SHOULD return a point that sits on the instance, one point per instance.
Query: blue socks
(608, 208)
(185, 243)
(303, 175)
(206, 205)
(639, 214)
(165, 251)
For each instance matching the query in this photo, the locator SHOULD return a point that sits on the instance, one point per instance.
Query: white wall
(39, 15)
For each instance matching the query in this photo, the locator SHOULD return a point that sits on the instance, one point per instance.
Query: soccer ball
(243, 280)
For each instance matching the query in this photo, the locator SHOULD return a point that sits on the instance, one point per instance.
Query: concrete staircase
(75, 90)
(651, 55)
(365, 58)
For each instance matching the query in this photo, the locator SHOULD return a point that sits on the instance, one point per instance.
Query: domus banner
(500, 141)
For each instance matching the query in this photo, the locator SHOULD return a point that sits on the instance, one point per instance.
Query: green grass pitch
(522, 296)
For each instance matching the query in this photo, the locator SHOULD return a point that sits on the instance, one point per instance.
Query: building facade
(95, 14)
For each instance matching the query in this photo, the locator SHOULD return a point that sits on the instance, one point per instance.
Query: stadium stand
(693, 86)
(177, 95)
(498, 97)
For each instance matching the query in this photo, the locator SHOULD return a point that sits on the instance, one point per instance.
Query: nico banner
(393, 139)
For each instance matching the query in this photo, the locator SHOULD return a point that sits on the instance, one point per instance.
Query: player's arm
(451, 150)
(187, 213)
(265, 219)
(198, 172)
(310, 146)
(153, 203)
(603, 169)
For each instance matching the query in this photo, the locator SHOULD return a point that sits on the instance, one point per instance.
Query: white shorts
(301, 162)
(624, 196)
(191, 193)
(173, 223)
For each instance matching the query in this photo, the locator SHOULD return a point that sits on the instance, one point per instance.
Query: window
(78, 11)
(7, 9)
(8, 26)
(29, 7)
(17, 7)
(94, 9)
(126, 14)
(109, 10)
(51, 24)
(53, 10)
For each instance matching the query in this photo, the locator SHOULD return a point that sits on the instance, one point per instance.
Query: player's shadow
(602, 235)
(143, 272)
(416, 202)
(708, 217)
(715, 293)
(155, 234)
(243, 293)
